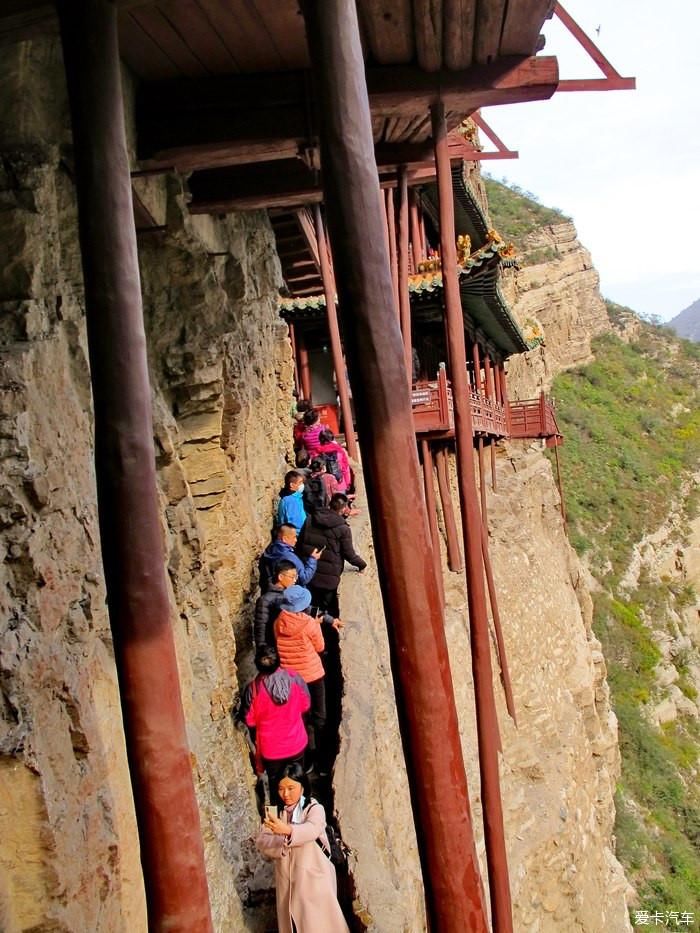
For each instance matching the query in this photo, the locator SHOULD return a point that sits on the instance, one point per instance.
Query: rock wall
(221, 375)
(556, 294)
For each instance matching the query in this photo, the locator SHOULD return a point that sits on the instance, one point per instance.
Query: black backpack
(315, 496)
(332, 465)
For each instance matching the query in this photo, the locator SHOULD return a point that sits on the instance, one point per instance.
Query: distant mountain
(687, 323)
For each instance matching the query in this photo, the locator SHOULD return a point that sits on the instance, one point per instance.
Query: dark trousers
(316, 722)
(326, 600)
(274, 768)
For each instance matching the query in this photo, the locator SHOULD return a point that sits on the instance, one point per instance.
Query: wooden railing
(432, 405)
(534, 417)
(433, 409)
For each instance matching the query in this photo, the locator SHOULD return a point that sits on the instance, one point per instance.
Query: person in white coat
(305, 882)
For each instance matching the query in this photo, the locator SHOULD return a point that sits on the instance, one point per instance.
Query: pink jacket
(299, 642)
(343, 462)
(310, 438)
(280, 727)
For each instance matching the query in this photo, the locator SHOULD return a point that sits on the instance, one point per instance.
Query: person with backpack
(273, 708)
(298, 844)
(337, 463)
(319, 487)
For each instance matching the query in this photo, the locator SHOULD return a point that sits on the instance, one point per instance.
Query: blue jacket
(291, 510)
(278, 550)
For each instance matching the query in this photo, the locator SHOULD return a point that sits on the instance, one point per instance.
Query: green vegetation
(631, 421)
(515, 213)
(632, 425)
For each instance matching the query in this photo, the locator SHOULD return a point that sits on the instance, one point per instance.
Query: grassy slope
(631, 421)
(515, 213)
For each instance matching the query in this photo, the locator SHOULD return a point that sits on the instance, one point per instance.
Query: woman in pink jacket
(273, 709)
(312, 429)
(305, 882)
(300, 643)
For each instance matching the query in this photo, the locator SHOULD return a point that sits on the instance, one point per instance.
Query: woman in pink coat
(305, 883)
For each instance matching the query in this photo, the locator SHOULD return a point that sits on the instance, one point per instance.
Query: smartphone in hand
(271, 811)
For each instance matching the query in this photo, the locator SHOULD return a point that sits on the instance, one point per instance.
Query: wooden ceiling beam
(28, 19)
(180, 121)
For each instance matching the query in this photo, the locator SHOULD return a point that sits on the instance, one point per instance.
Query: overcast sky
(624, 164)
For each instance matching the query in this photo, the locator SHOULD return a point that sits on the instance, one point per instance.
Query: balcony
(535, 417)
(433, 410)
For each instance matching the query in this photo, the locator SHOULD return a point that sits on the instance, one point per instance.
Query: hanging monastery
(206, 207)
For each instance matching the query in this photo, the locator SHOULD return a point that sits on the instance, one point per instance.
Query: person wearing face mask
(290, 510)
(305, 881)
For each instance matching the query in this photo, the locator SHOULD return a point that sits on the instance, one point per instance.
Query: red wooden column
(416, 233)
(420, 662)
(431, 506)
(454, 556)
(488, 377)
(304, 366)
(295, 357)
(404, 296)
(393, 252)
(504, 394)
(130, 530)
(477, 365)
(487, 722)
(497, 381)
(336, 347)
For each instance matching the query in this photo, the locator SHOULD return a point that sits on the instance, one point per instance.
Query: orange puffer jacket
(299, 641)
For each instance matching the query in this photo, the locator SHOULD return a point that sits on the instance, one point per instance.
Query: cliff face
(221, 376)
(556, 293)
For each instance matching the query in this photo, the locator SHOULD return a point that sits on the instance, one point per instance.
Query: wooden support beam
(393, 249)
(295, 358)
(304, 367)
(454, 554)
(487, 720)
(131, 533)
(431, 506)
(612, 80)
(420, 662)
(341, 379)
(180, 120)
(404, 297)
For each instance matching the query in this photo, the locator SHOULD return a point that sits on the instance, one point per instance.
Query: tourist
(300, 643)
(305, 881)
(334, 453)
(267, 606)
(282, 548)
(273, 708)
(290, 510)
(328, 534)
(312, 429)
(319, 486)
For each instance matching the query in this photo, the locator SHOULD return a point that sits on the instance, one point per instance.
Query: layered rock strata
(556, 296)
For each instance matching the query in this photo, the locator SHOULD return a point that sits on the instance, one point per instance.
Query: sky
(625, 165)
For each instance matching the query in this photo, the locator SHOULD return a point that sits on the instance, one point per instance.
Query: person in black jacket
(328, 531)
(267, 606)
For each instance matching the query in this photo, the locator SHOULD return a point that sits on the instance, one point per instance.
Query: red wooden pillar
(504, 395)
(420, 662)
(454, 555)
(393, 254)
(336, 347)
(497, 381)
(295, 357)
(431, 506)
(130, 528)
(416, 238)
(488, 377)
(304, 366)
(487, 722)
(404, 296)
(482, 476)
(560, 484)
(476, 358)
